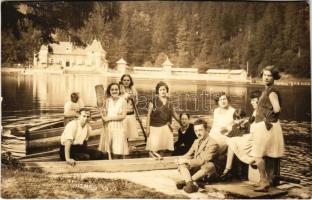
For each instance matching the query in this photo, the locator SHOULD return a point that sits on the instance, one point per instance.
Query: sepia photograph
(156, 100)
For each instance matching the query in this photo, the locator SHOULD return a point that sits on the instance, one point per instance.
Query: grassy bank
(27, 184)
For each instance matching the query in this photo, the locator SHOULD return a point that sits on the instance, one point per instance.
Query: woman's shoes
(227, 175)
(254, 165)
(155, 155)
(180, 185)
(263, 187)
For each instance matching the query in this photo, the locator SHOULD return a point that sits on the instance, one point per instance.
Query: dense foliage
(197, 34)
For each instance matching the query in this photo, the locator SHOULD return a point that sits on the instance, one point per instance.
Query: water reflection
(50, 92)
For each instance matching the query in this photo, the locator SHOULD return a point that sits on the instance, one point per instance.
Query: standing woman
(131, 96)
(159, 118)
(116, 109)
(267, 135)
(222, 120)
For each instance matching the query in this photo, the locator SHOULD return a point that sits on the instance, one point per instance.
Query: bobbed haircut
(131, 81)
(159, 84)
(255, 94)
(239, 113)
(274, 71)
(84, 109)
(217, 96)
(109, 87)
(201, 121)
(185, 113)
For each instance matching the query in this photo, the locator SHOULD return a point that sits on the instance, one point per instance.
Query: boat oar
(101, 101)
(139, 120)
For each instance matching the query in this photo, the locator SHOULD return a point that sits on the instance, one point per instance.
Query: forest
(193, 34)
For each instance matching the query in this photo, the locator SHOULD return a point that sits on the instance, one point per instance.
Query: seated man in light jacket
(74, 140)
(198, 161)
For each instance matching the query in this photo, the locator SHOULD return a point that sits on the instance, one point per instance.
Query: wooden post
(27, 140)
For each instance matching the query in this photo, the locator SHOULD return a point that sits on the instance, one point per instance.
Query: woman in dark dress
(267, 137)
(186, 136)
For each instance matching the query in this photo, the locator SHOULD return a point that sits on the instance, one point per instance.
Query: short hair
(131, 81)
(255, 94)
(201, 121)
(74, 95)
(184, 113)
(109, 87)
(84, 109)
(274, 71)
(239, 113)
(217, 96)
(159, 84)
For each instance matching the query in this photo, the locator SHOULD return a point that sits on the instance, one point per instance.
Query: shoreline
(202, 77)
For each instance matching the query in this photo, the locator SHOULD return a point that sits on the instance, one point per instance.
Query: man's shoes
(262, 188)
(180, 184)
(190, 187)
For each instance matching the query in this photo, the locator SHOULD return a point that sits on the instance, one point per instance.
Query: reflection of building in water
(65, 55)
(54, 90)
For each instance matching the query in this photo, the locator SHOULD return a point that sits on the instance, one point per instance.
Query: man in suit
(198, 161)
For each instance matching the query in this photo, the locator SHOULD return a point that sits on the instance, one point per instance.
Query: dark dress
(267, 135)
(185, 141)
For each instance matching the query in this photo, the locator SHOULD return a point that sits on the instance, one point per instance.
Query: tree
(45, 18)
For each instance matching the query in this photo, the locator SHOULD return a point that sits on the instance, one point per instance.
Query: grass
(20, 184)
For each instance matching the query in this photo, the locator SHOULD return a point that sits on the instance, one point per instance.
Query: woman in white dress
(241, 146)
(131, 96)
(222, 121)
(114, 139)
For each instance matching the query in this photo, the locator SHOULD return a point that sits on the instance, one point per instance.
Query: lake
(41, 97)
(25, 95)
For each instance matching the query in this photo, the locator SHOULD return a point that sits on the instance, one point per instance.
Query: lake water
(38, 97)
(25, 95)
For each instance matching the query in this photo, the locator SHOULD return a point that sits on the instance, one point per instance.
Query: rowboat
(42, 143)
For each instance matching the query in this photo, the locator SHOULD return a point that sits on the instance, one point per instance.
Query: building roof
(95, 46)
(121, 61)
(68, 48)
(167, 62)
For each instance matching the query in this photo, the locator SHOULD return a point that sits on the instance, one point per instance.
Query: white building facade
(65, 56)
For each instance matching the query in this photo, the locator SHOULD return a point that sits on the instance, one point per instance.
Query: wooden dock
(243, 190)
(122, 165)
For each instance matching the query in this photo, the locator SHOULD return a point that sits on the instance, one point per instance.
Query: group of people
(201, 147)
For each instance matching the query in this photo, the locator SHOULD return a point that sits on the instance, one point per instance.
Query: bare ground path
(160, 180)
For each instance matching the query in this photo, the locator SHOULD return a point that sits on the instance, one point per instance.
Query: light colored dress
(221, 118)
(242, 146)
(130, 121)
(114, 132)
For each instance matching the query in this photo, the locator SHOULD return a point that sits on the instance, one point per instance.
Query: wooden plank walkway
(243, 190)
(122, 165)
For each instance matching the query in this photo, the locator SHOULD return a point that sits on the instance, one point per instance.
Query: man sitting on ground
(74, 140)
(186, 136)
(198, 161)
